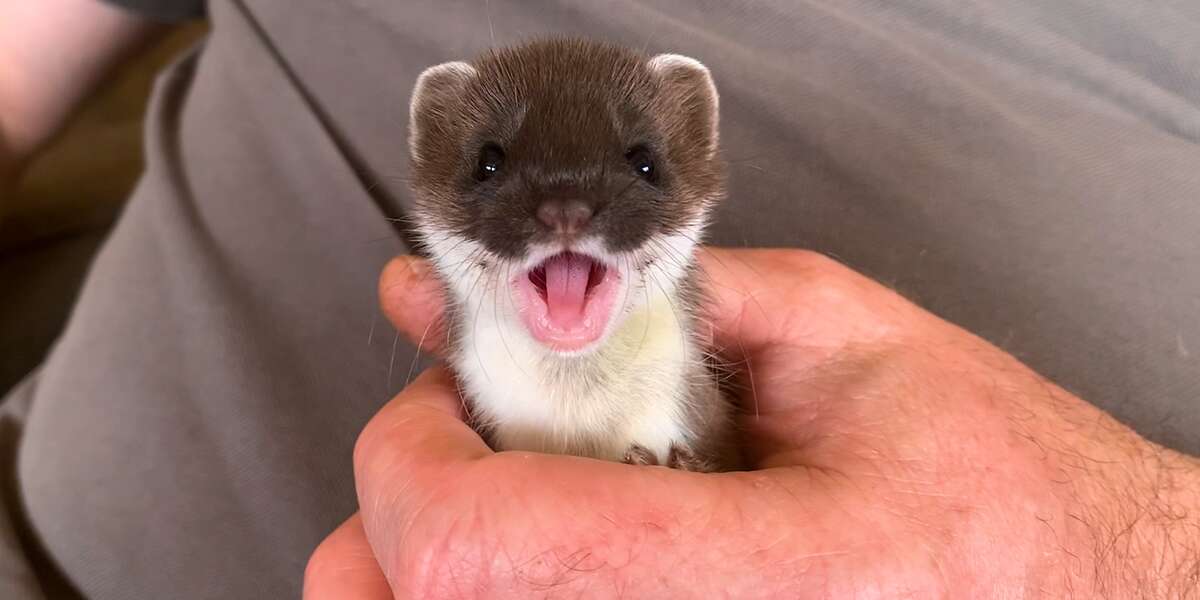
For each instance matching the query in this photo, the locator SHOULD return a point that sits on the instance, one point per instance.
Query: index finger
(412, 298)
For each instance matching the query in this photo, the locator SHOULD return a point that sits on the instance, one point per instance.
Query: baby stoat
(561, 188)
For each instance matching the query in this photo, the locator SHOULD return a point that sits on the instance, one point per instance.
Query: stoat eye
(491, 160)
(642, 163)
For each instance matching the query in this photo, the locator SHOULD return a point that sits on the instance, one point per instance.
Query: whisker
(674, 311)
(392, 361)
(680, 260)
(417, 355)
(475, 328)
(496, 317)
(462, 401)
(750, 378)
(487, 7)
(371, 332)
(463, 264)
(709, 280)
(646, 325)
(630, 262)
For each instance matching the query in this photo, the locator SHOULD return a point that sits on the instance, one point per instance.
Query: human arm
(895, 454)
(52, 54)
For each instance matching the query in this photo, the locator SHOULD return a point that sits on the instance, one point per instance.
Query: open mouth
(566, 302)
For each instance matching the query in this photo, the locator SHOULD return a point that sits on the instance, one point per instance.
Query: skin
(895, 455)
(53, 53)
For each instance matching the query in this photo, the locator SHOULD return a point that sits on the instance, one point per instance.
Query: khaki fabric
(1027, 169)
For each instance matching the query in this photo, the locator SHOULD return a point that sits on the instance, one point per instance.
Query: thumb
(412, 298)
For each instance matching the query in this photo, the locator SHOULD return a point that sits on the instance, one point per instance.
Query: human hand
(894, 455)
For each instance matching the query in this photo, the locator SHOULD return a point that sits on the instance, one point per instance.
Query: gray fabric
(1027, 169)
(18, 578)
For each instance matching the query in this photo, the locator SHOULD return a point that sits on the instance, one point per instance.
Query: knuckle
(819, 274)
(381, 431)
(825, 278)
(370, 449)
(821, 268)
(807, 260)
(444, 553)
(855, 304)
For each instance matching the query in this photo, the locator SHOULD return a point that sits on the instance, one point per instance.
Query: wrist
(1146, 537)
(1140, 518)
(1130, 509)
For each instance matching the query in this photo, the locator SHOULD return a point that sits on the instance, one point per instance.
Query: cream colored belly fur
(633, 390)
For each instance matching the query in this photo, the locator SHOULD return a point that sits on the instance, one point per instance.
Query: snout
(565, 217)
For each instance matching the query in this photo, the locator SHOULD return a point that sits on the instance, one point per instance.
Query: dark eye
(491, 160)
(642, 162)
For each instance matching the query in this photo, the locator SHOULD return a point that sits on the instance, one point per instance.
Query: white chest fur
(632, 390)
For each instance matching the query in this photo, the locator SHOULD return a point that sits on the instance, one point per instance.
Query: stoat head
(566, 181)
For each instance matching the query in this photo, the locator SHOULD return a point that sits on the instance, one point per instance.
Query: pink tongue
(566, 289)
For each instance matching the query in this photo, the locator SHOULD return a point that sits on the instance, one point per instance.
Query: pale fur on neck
(633, 389)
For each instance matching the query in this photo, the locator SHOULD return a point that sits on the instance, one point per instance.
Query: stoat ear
(687, 89)
(436, 93)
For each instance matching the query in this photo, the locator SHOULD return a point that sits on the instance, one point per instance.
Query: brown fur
(565, 114)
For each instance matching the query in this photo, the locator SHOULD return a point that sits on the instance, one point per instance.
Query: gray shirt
(1027, 169)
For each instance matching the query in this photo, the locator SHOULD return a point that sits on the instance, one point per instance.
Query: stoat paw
(638, 454)
(684, 459)
(679, 457)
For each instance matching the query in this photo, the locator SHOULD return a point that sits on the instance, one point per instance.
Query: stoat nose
(565, 217)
